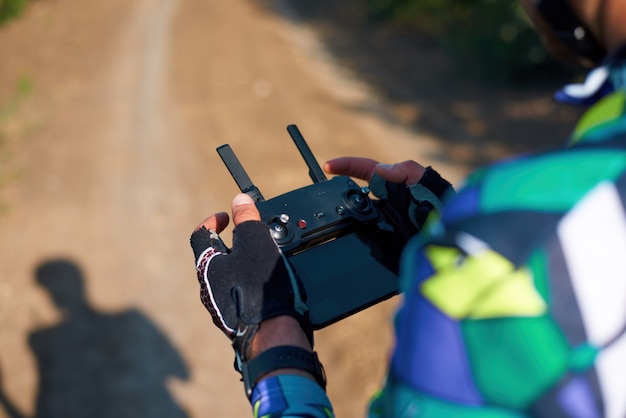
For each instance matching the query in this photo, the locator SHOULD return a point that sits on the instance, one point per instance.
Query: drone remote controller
(343, 246)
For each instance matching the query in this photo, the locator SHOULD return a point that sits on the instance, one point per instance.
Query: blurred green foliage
(23, 88)
(10, 9)
(490, 37)
(15, 126)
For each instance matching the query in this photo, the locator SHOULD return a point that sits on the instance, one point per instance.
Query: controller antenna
(239, 173)
(315, 171)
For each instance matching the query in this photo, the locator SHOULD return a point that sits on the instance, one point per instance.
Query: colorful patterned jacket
(515, 301)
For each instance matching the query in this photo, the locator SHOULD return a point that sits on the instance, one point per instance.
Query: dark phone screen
(342, 277)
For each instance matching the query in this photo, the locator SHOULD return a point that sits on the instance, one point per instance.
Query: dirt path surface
(115, 161)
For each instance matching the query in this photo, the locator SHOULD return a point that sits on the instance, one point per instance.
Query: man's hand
(243, 210)
(410, 188)
(406, 172)
(248, 284)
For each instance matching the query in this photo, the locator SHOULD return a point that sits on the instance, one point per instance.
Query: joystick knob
(359, 202)
(278, 228)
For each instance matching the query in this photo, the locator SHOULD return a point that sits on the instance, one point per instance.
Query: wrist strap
(281, 357)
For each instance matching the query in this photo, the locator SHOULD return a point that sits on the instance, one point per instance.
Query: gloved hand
(411, 189)
(249, 283)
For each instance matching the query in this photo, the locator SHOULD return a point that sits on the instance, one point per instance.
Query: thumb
(244, 209)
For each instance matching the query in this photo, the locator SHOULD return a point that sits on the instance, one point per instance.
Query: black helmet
(563, 32)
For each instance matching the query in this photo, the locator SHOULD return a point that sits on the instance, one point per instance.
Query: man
(515, 299)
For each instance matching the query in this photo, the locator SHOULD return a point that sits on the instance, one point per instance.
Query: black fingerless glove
(246, 285)
(416, 201)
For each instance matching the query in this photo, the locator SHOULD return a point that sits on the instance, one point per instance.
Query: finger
(244, 209)
(217, 222)
(407, 172)
(361, 168)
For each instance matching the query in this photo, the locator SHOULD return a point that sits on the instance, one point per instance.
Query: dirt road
(129, 101)
(117, 164)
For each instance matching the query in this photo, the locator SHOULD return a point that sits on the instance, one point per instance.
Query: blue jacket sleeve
(290, 396)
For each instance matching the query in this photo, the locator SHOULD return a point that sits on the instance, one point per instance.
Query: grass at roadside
(14, 127)
(10, 9)
(492, 39)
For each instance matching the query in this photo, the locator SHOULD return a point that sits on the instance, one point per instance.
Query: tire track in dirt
(151, 153)
(141, 170)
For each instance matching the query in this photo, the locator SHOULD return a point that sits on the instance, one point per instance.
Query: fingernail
(385, 166)
(242, 199)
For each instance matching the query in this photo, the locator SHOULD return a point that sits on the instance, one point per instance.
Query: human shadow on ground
(99, 365)
(6, 404)
(421, 86)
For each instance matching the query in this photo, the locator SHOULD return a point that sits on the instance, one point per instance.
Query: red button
(301, 224)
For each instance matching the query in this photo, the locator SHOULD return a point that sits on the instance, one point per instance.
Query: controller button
(319, 215)
(283, 218)
(340, 210)
(301, 224)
